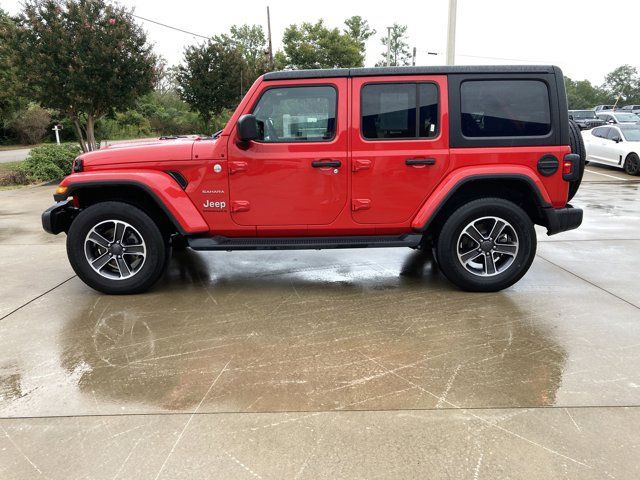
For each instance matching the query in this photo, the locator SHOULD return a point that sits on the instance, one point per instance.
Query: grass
(9, 166)
(8, 176)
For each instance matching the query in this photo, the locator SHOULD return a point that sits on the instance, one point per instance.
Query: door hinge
(360, 204)
(240, 206)
(361, 165)
(235, 167)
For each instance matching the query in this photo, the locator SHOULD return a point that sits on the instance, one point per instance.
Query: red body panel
(160, 184)
(270, 189)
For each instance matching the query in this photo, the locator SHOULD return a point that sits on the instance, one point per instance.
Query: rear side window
(296, 114)
(399, 111)
(600, 132)
(504, 108)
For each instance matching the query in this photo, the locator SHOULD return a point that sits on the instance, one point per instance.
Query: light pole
(451, 33)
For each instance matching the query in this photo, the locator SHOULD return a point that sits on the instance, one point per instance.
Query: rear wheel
(577, 146)
(632, 164)
(116, 248)
(486, 245)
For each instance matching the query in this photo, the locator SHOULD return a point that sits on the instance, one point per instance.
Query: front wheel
(116, 248)
(486, 245)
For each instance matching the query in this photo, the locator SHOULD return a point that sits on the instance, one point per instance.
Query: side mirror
(611, 121)
(247, 128)
(617, 139)
(570, 117)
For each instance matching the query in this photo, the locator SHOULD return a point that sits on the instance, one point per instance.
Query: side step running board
(302, 243)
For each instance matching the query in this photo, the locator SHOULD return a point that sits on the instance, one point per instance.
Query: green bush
(50, 162)
(30, 125)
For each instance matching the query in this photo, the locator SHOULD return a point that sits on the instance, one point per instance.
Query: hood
(142, 151)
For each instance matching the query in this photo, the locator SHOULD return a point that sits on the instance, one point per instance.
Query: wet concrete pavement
(331, 364)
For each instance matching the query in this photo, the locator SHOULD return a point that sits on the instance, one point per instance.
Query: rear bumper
(57, 218)
(561, 219)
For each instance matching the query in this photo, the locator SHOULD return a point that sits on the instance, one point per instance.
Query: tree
(209, 79)
(623, 83)
(10, 101)
(360, 31)
(313, 45)
(251, 42)
(582, 94)
(84, 58)
(400, 54)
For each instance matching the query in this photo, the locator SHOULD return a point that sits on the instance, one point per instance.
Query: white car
(617, 117)
(615, 145)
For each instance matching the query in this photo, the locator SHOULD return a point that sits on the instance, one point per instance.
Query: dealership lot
(330, 364)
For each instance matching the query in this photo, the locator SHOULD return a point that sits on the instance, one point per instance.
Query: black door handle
(326, 163)
(420, 161)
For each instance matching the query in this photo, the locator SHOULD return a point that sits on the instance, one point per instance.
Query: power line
(172, 28)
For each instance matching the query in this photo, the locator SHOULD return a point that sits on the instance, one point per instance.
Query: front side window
(613, 134)
(505, 108)
(296, 114)
(399, 111)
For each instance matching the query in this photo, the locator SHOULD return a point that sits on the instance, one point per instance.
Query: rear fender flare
(164, 190)
(461, 177)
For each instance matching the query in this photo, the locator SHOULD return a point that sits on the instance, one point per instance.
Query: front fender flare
(462, 176)
(164, 190)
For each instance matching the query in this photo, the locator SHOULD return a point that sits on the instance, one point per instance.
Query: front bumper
(561, 219)
(57, 218)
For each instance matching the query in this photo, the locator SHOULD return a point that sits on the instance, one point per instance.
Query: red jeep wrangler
(461, 160)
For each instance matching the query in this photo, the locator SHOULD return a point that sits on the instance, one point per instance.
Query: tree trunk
(81, 141)
(91, 138)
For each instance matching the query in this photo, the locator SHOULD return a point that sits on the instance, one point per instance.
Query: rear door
(296, 173)
(400, 147)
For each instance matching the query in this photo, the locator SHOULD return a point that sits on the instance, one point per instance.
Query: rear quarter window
(504, 108)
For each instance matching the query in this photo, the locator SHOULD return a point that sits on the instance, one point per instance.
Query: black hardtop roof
(430, 70)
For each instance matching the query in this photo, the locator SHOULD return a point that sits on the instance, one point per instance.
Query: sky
(586, 38)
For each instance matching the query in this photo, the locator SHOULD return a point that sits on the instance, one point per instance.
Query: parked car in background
(600, 108)
(618, 146)
(586, 119)
(631, 108)
(617, 117)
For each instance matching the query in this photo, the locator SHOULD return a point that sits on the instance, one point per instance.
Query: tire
(577, 146)
(476, 276)
(632, 164)
(92, 238)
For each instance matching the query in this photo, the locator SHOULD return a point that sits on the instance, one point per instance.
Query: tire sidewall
(156, 248)
(448, 239)
(632, 158)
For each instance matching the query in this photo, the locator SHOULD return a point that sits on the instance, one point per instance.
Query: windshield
(627, 117)
(582, 114)
(631, 134)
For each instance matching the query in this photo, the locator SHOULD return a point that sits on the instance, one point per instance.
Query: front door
(400, 148)
(296, 173)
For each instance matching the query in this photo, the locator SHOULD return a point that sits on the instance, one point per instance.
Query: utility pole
(270, 44)
(451, 33)
(414, 57)
(388, 46)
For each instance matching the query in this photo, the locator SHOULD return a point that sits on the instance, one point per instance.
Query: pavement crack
(36, 298)
(589, 282)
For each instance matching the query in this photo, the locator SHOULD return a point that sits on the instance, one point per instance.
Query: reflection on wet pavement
(308, 358)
